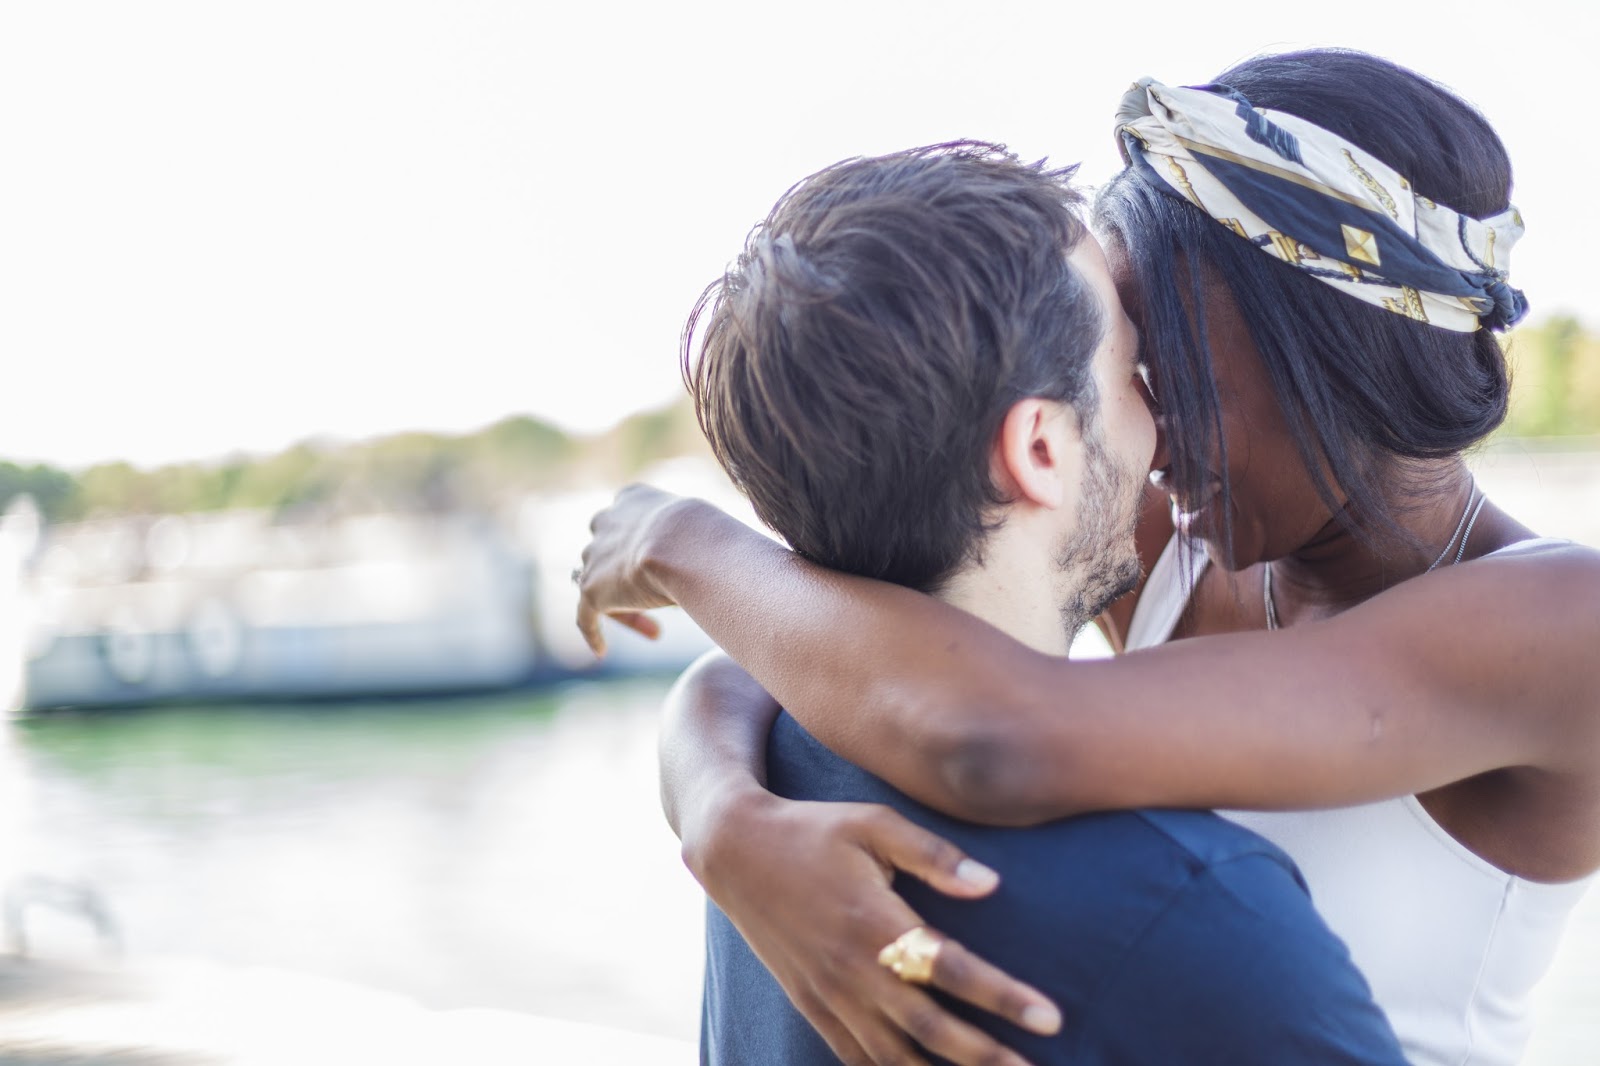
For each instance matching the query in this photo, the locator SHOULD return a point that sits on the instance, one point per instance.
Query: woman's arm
(1405, 693)
(714, 730)
(808, 884)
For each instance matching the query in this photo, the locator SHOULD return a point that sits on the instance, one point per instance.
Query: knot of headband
(1316, 201)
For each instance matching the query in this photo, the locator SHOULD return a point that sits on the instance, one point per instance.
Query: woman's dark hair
(1359, 385)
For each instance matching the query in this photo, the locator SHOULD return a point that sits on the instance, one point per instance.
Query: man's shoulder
(1212, 839)
(1093, 880)
(801, 767)
(1238, 968)
(1134, 922)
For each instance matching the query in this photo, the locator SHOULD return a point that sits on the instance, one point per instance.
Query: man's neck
(1021, 599)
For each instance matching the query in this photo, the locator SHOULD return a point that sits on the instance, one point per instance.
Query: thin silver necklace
(1469, 518)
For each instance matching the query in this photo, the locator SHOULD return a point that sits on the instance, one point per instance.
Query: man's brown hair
(858, 359)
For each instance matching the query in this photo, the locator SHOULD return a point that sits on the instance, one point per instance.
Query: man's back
(1164, 936)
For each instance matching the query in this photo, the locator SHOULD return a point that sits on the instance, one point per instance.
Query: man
(918, 371)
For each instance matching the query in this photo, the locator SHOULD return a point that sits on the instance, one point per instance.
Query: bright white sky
(229, 225)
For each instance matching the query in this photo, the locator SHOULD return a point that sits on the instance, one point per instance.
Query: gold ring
(912, 955)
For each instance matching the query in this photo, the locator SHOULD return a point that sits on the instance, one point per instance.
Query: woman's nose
(1162, 457)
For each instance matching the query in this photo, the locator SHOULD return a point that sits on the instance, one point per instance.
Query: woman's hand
(817, 908)
(614, 580)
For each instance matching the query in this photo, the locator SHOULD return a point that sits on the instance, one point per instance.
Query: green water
(492, 852)
(503, 852)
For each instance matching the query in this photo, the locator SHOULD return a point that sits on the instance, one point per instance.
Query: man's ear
(1038, 454)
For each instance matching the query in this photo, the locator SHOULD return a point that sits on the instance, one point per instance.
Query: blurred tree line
(1555, 392)
(406, 471)
(1555, 383)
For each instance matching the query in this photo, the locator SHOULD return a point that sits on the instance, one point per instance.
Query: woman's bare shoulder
(1521, 624)
(1541, 578)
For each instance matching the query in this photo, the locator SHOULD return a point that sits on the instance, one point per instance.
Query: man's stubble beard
(1100, 550)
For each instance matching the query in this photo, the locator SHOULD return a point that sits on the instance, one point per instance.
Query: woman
(1427, 713)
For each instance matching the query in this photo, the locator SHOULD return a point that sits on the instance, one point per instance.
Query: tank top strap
(1165, 594)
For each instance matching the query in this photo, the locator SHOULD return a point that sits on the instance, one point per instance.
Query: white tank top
(1451, 944)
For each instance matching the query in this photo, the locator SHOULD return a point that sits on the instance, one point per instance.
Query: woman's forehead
(1120, 267)
(1089, 258)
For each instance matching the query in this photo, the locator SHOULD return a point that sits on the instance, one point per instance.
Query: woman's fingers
(904, 845)
(967, 977)
(640, 623)
(907, 846)
(612, 580)
(914, 1012)
(886, 1045)
(834, 1033)
(859, 1035)
(909, 1012)
(821, 924)
(589, 626)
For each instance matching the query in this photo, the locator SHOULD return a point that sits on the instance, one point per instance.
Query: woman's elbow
(992, 772)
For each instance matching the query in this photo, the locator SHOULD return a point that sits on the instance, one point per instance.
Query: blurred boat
(252, 605)
(248, 605)
(235, 605)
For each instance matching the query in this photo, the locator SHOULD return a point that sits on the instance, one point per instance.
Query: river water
(503, 852)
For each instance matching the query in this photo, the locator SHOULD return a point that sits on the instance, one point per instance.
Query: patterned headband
(1319, 203)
